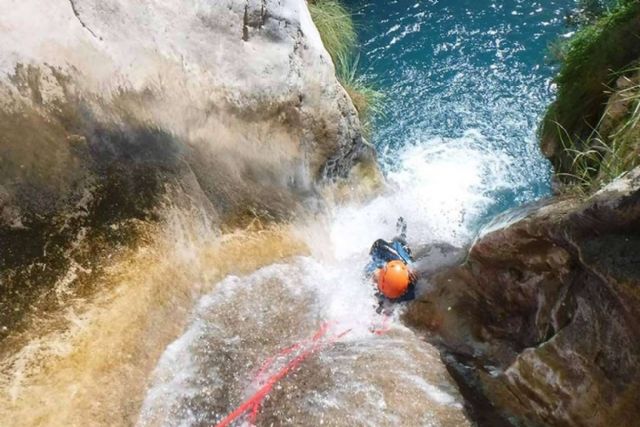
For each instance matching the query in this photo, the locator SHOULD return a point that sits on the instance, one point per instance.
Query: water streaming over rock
(365, 379)
(465, 85)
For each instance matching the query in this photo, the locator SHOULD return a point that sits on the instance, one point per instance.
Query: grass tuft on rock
(337, 30)
(592, 63)
(612, 149)
(335, 26)
(367, 100)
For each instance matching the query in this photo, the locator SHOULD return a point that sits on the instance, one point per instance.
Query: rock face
(112, 110)
(540, 325)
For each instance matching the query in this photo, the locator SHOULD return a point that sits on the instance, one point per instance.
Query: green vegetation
(606, 158)
(335, 26)
(613, 148)
(338, 34)
(366, 99)
(587, 146)
(586, 13)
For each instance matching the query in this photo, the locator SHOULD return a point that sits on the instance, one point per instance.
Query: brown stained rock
(113, 113)
(540, 325)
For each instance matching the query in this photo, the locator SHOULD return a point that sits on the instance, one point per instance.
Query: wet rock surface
(539, 325)
(433, 258)
(112, 111)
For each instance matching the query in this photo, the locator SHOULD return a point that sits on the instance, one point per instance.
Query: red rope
(269, 362)
(310, 347)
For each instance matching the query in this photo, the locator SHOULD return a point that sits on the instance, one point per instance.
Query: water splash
(359, 381)
(449, 164)
(440, 187)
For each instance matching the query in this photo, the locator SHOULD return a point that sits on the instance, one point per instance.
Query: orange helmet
(394, 279)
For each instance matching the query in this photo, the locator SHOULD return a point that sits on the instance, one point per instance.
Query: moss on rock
(592, 62)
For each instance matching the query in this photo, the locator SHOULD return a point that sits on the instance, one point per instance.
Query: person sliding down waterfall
(390, 269)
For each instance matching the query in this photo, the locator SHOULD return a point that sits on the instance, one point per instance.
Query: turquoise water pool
(468, 74)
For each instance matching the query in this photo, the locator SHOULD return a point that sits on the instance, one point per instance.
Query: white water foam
(439, 188)
(208, 371)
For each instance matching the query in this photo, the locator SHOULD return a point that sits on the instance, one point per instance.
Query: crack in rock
(75, 12)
